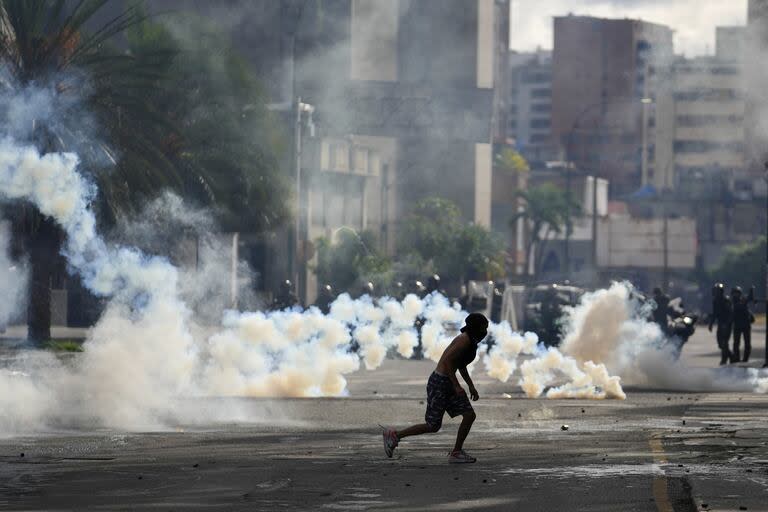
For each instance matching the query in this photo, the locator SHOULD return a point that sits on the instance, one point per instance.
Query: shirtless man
(445, 394)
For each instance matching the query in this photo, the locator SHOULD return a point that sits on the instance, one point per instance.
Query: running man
(445, 394)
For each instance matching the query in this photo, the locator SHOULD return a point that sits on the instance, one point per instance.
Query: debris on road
(564, 427)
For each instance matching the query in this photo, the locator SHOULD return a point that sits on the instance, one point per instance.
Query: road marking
(660, 494)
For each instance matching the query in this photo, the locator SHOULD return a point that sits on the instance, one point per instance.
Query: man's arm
(472, 390)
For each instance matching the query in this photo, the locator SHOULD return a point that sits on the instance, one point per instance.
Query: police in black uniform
(325, 298)
(285, 297)
(742, 322)
(722, 315)
(661, 310)
(433, 285)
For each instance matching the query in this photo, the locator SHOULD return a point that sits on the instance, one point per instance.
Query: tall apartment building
(730, 42)
(529, 107)
(756, 82)
(699, 137)
(601, 70)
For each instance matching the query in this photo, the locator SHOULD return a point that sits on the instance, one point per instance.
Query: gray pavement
(655, 451)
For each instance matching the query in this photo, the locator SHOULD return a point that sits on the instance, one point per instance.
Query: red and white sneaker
(460, 457)
(390, 441)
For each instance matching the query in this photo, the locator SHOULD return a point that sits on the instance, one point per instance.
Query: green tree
(546, 212)
(350, 261)
(457, 250)
(743, 265)
(44, 48)
(224, 131)
(158, 117)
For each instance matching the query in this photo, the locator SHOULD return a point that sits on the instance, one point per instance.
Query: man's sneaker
(460, 457)
(390, 441)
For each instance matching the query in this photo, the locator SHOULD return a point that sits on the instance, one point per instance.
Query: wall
(627, 242)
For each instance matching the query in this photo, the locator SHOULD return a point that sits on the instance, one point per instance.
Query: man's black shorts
(442, 398)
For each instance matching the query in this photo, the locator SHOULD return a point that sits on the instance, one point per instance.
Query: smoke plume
(610, 326)
(147, 351)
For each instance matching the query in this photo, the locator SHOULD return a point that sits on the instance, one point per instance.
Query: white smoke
(146, 352)
(13, 276)
(610, 327)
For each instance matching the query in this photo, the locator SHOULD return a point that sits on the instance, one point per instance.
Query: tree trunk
(44, 248)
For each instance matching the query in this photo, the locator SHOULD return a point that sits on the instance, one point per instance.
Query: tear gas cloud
(166, 334)
(149, 350)
(13, 276)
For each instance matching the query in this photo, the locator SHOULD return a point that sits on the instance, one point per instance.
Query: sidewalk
(19, 332)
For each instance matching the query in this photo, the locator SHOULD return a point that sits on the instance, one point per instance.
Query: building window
(361, 160)
(540, 123)
(708, 95)
(706, 120)
(541, 107)
(536, 77)
(338, 157)
(701, 146)
(541, 93)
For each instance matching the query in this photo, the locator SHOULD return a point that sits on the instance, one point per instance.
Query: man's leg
(466, 424)
(722, 343)
(747, 343)
(736, 342)
(417, 430)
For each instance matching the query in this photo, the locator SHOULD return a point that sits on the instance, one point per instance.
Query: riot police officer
(722, 315)
(285, 298)
(433, 285)
(661, 310)
(742, 322)
(325, 298)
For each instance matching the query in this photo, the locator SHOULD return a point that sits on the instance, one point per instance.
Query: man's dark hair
(475, 322)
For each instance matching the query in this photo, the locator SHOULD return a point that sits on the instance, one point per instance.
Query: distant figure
(742, 322)
(285, 298)
(445, 394)
(661, 310)
(433, 285)
(551, 316)
(325, 298)
(366, 288)
(398, 290)
(722, 315)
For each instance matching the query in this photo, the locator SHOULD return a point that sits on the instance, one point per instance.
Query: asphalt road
(655, 451)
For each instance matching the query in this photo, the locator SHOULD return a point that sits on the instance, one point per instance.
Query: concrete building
(529, 122)
(699, 135)
(756, 84)
(730, 42)
(601, 70)
(413, 79)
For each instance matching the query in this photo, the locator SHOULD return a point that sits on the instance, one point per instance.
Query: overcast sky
(693, 21)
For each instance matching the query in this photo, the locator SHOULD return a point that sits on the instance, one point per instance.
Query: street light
(300, 110)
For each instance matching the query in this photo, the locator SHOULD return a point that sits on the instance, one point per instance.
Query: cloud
(693, 21)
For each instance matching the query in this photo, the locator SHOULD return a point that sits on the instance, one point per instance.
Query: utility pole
(766, 273)
(297, 273)
(665, 242)
(594, 222)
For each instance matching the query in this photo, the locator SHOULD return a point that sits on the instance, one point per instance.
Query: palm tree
(545, 210)
(45, 47)
(144, 116)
